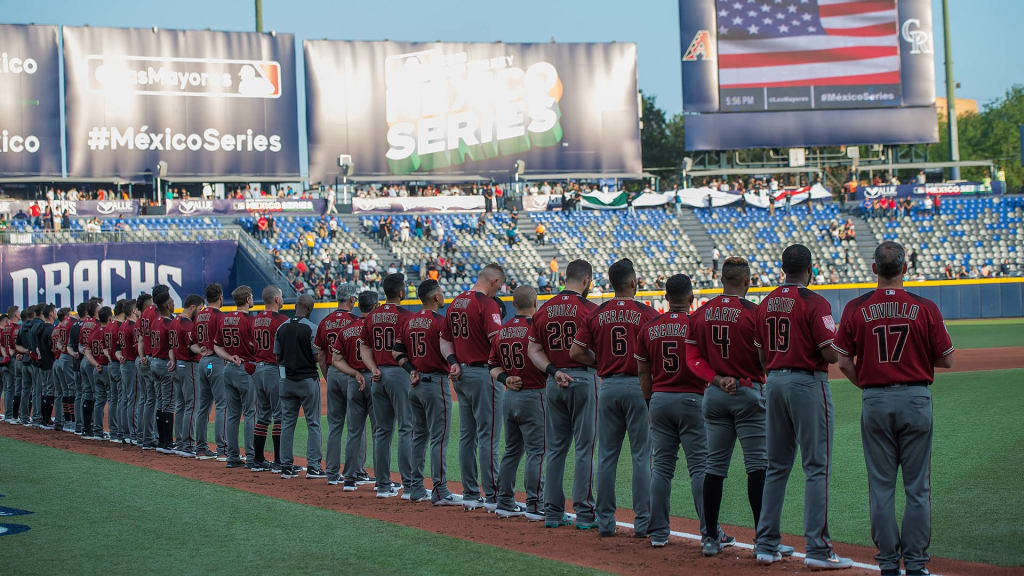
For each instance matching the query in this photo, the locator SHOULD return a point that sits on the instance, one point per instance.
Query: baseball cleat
(186, 453)
(364, 479)
(406, 495)
(786, 551)
(472, 503)
(918, 572)
(658, 542)
(234, 464)
(491, 507)
(607, 534)
(585, 525)
(222, 458)
(515, 512)
(833, 562)
(205, 454)
(289, 472)
(390, 493)
(394, 486)
(533, 516)
(350, 486)
(259, 466)
(449, 500)
(726, 541)
(563, 521)
(890, 572)
(334, 479)
(276, 466)
(313, 472)
(768, 558)
(114, 440)
(164, 450)
(710, 547)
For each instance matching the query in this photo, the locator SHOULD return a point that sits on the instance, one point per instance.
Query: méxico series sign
(29, 101)
(425, 108)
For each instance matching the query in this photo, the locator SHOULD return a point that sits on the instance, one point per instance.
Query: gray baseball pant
(100, 390)
(163, 384)
(337, 406)
(391, 405)
(359, 408)
(676, 419)
(211, 392)
(430, 402)
(185, 404)
(112, 372)
(29, 404)
(728, 417)
(480, 409)
(150, 390)
(240, 398)
(8, 383)
(80, 385)
(46, 386)
(305, 393)
(37, 393)
(896, 431)
(571, 418)
(129, 397)
(61, 388)
(799, 413)
(141, 383)
(621, 409)
(524, 432)
(267, 383)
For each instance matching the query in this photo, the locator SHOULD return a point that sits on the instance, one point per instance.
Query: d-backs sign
(421, 108)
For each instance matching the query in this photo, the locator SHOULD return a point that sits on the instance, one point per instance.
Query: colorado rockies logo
(920, 40)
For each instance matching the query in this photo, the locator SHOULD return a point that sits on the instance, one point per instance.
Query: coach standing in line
(211, 376)
(570, 398)
(795, 330)
(472, 321)
(889, 344)
(297, 355)
(267, 379)
(328, 332)
(44, 350)
(608, 341)
(127, 354)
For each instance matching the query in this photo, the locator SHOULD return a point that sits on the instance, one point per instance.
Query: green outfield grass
(992, 333)
(94, 516)
(977, 463)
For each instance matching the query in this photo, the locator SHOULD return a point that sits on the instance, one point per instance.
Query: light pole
(259, 15)
(954, 138)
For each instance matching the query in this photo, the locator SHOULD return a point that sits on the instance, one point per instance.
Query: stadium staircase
(865, 238)
(260, 260)
(699, 236)
(527, 228)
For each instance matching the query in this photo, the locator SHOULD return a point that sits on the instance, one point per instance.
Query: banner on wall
(199, 207)
(85, 208)
(206, 103)
(474, 108)
(698, 198)
(66, 274)
(937, 189)
(419, 204)
(29, 101)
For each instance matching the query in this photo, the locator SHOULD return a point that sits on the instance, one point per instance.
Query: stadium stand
(156, 229)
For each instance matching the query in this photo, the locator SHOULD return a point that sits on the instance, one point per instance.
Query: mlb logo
(725, 300)
(785, 290)
(890, 292)
(674, 316)
(621, 303)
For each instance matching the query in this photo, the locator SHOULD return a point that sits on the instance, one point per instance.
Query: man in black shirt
(43, 347)
(294, 345)
(31, 394)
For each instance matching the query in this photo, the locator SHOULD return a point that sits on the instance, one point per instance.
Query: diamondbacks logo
(829, 323)
(920, 40)
(700, 46)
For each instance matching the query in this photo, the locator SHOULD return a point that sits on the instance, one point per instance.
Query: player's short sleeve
(494, 359)
(446, 330)
(642, 353)
(845, 341)
(584, 333)
(491, 316)
(364, 332)
(823, 326)
(531, 332)
(759, 326)
(215, 333)
(941, 344)
(692, 328)
(320, 338)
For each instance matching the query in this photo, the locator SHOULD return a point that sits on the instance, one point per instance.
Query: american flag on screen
(807, 43)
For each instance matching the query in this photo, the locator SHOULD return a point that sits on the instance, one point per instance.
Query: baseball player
(523, 409)
(63, 384)
(148, 317)
(5, 368)
(87, 370)
(127, 353)
(889, 343)
(267, 379)
(571, 397)
(327, 335)
(720, 350)
(674, 396)
(390, 387)
(96, 355)
(607, 340)
(162, 370)
(348, 359)
(110, 337)
(233, 343)
(31, 393)
(44, 350)
(11, 394)
(297, 355)
(795, 330)
(75, 375)
(472, 321)
(418, 351)
(185, 362)
(211, 376)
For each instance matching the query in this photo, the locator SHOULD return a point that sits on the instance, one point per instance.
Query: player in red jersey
(607, 341)
(185, 361)
(162, 369)
(267, 378)
(87, 370)
(348, 358)
(889, 343)
(328, 332)
(8, 363)
(97, 357)
(523, 409)
(570, 398)
(150, 386)
(675, 395)
(418, 352)
(720, 350)
(795, 330)
(234, 343)
(471, 323)
(211, 376)
(390, 387)
(113, 373)
(63, 389)
(127, 353)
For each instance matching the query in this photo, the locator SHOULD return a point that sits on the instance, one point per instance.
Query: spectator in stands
(543, 284)
(439, 230)
(851, 232)
(34, 212)
(716, 255)
(789, 203)
(948, 270)
(985, 271)
(921, 178)
(961, 272)
(428, 228)
(488, 199)
(309, 241)
(1004, 268)
(261, 226)
(510, 235)
(514, 215)
(913, 259)
(449, 243)
(938, 205)
(404, 230)
(833, 275)
(630, 198)
(481, 224)
(278, 259)
(540, 233)
(332, 227)
(301, 268)
(499, 196)
(356, 275)
(929, 205)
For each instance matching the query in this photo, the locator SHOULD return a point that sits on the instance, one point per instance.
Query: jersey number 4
(720, 336)
(882, 333)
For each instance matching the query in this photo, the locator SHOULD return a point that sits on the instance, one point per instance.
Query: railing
(110, 236)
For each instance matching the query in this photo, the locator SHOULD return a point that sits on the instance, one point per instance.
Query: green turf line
(94, 516)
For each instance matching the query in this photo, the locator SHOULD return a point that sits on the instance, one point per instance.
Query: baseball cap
(347, 291)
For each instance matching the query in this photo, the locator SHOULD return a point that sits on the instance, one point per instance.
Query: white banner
(419, 204)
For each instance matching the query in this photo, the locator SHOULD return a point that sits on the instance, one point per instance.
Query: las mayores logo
(170, 76)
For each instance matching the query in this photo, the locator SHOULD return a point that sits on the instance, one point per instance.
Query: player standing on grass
(390, 387)
(523, 409)
(87, 370)
(327, 335)
(294, 345)
(570, 397)
(233, 343)
(75, 374)
(61, 386)
(472, 321)
(46, 352)
(795, 330)
(349, 360)
(267, 379)
(418, 351)
(7, 349)
(113, 373)
(889, 344)
(211, 376)
(96, 354)
(162, 370)
(674, 396)
(607, 340)
(185, 362)
(30, 409)
(150, 314)
(720, 350)
(127, 354)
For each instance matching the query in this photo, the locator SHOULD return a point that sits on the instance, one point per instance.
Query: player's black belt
(476, 364)
(796, 371)
(903, 385)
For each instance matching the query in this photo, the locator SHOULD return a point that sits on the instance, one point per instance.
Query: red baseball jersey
(723, 331)
(662, 344)
(148, 317)
(127, 342)
(110, 338)
(235, 335)
(380, 328)
(58, 338)
(15, 328)
(421, 337)
(181, 340)
(555, 325)
(330, 328)
(509, 351)
(264, 329)
(471, 322)
(89, 325)
(205, 326)
(347, 344)
(5, 337)
(793, 325)
(160, 337)
(98, 344)
(895, 336)
(611, 332)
